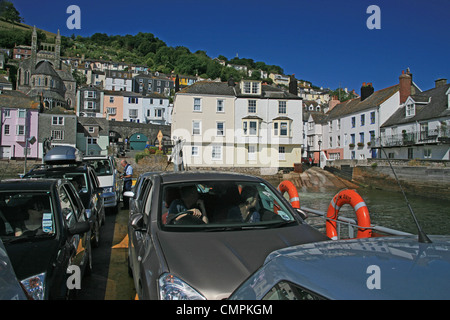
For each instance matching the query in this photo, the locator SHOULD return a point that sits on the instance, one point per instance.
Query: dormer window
(410, 110)
(251, 87)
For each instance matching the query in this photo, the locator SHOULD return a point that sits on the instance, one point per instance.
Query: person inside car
(33, 219)
(247, 210)
(188, 204)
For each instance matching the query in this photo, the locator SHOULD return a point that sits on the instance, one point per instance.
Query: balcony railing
(413, 138)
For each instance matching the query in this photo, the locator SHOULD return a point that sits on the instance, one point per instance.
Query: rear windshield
(102, 167)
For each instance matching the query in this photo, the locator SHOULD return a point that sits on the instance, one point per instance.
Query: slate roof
(437, 107)
(17, 99)
(45, 68)
(222, 88)
(356, 105)
(209, 87)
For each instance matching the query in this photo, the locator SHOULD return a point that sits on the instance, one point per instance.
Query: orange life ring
(352, 198)
(287, 186)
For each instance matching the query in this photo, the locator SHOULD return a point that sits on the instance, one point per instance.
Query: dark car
(380, 268)
(86, 183)
(44, 228)
(183, 254)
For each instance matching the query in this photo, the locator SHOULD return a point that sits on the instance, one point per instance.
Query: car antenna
(423, 238)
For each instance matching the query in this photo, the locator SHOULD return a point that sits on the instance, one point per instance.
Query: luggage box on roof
(63, 155)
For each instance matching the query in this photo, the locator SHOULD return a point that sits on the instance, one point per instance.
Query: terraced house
(247, 124)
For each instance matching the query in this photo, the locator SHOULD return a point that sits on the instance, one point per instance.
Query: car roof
(340, 269)
(61, 168)
(96, 157)
(191, 176)
(28, 184)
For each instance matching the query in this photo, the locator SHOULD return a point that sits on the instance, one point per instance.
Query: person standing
(127, 178)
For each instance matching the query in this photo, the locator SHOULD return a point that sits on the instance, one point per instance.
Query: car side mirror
(302, 214)
(129, 194)
(137, 221)
(80, 227)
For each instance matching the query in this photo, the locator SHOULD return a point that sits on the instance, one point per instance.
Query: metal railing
(441, 135)
(349, 225)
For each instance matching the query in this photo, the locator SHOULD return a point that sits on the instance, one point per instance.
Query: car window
(234, 204)
(78, 180)
(26, 214)
(102, 167)
(285, 290)
(68, 209)
(75, 200)
(94, 179)
(142, 189)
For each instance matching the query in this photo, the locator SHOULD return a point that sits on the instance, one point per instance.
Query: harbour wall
(417, 177)
(429, 182)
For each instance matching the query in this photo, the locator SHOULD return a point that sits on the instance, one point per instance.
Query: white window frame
(220, 132)
(57, 120)
(220, 106)
(216, 153)
(20, 130)
(197, 105)
(57, 135)
(196, 127)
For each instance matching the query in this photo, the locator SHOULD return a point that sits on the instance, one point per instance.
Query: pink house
(19, 124)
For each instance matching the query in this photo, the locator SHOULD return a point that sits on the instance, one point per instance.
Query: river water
(387, 209)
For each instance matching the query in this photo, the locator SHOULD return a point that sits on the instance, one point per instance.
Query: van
(105, 168)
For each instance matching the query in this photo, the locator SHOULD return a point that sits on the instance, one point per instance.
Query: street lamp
(319, 142)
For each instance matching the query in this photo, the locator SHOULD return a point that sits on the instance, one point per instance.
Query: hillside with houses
(246, 116)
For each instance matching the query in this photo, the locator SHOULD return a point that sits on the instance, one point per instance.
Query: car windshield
(223, 206)
(25, 215)
(102, 167)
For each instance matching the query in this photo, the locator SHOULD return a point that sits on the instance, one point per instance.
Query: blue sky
(324, 41)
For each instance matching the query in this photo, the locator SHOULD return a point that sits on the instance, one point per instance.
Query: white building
(156, 109)
(420, 129)
(245, 125)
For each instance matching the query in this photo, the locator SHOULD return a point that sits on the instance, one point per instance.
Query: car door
(140, 240)
(97, 200)
(73, 212)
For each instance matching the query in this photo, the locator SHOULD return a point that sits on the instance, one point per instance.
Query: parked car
(105, 168)
(382, 268)
(45, 230)
(84, 179)
(10, 287)
(179, 256)
(139, 192)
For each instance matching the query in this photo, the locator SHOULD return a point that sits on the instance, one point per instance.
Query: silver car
(199, 235)
(379, 268)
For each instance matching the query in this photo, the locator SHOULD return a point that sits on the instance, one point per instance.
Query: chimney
(405, 81)
(366, 90)
(440, 82)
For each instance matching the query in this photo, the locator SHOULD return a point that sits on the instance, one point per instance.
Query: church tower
(58, 51)
(34, 45)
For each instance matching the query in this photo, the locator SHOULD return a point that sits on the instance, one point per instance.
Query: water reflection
(386, 209)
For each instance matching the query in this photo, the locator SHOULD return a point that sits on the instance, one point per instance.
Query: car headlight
(108, 189)
(173, 288)
(35, 286)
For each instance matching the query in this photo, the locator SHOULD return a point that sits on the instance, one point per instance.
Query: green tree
(9, 12)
